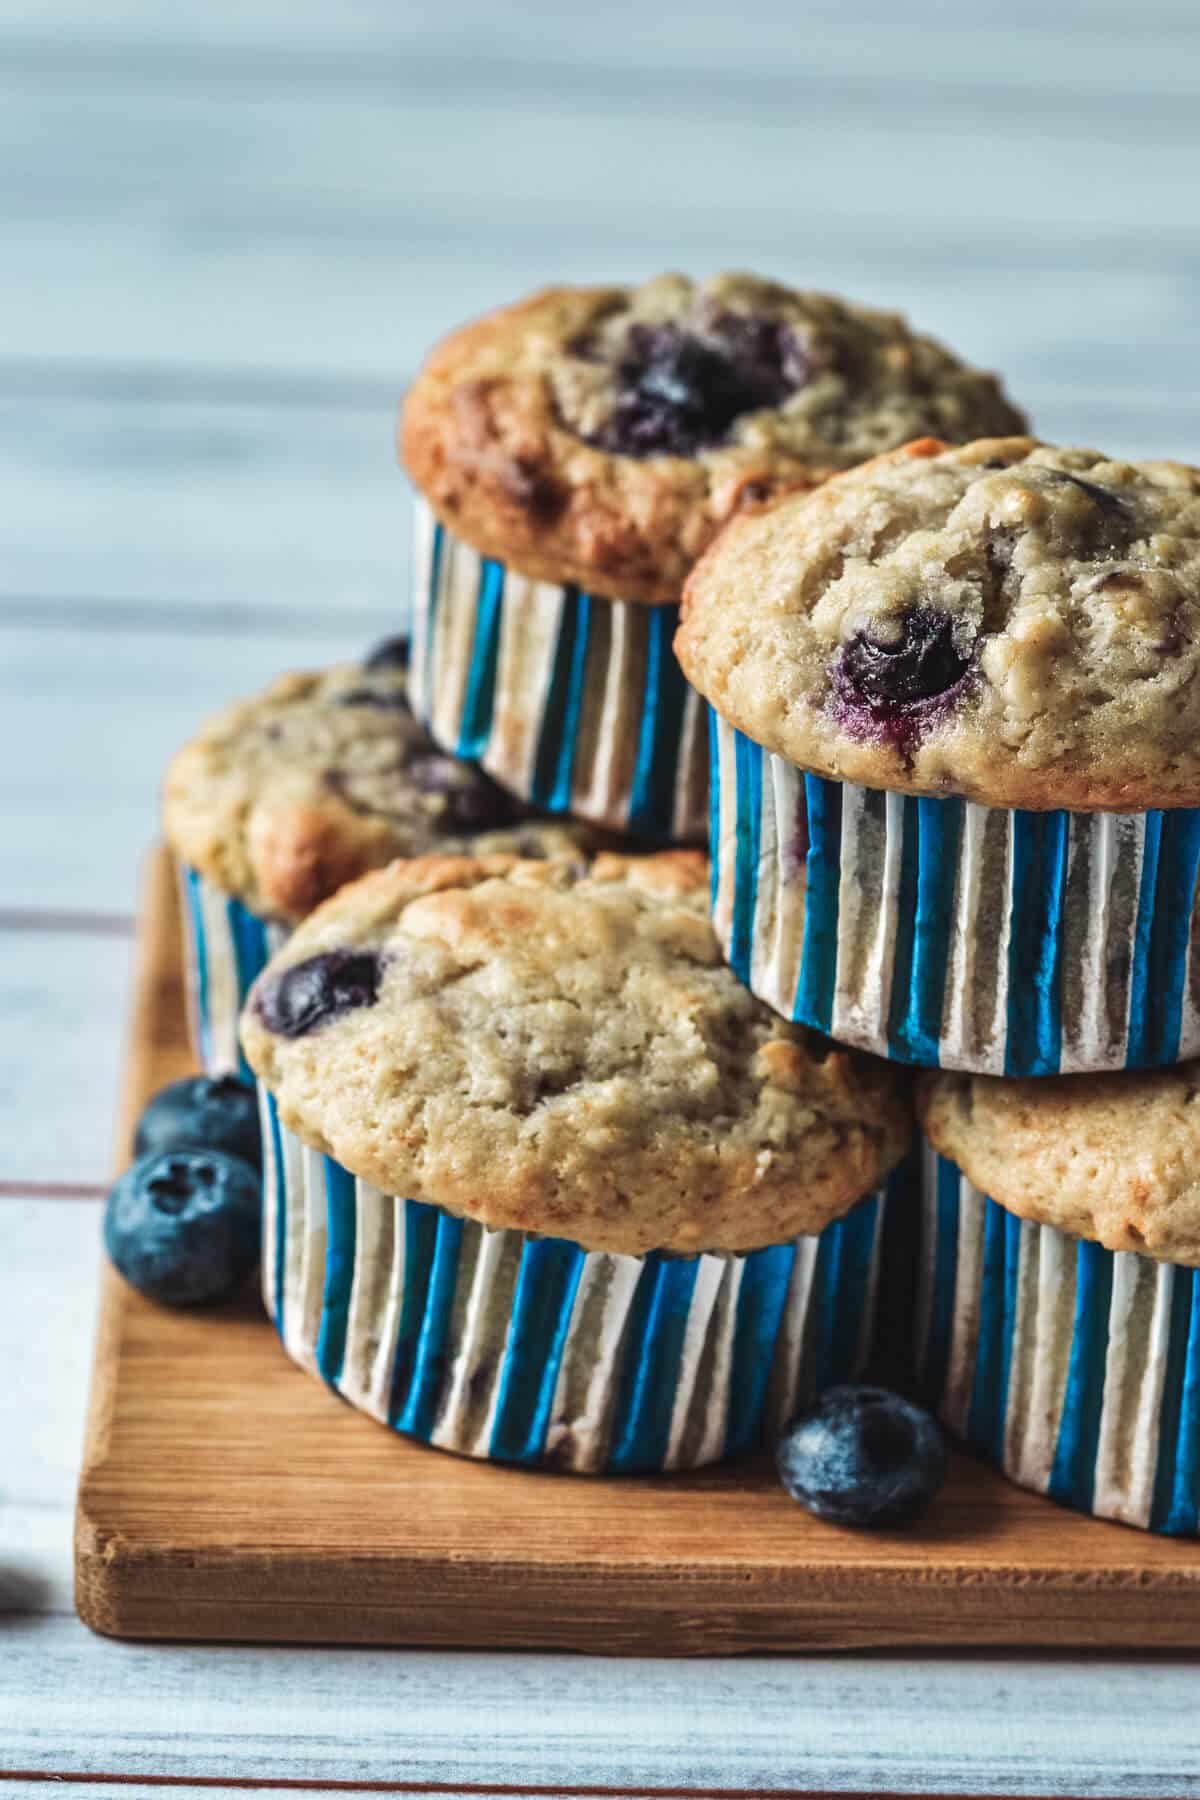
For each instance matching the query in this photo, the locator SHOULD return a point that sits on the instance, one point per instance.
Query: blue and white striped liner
(943, 933)
(532, 1350)
(225, 946)
(1074, 1368)
(574, 702)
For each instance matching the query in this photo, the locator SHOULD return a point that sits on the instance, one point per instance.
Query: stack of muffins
(559, 1175)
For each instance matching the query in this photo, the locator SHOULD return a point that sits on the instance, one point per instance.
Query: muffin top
(282, 798)
(562, 1050)
(1114, 1158)
(1011, 622)
(601, 436)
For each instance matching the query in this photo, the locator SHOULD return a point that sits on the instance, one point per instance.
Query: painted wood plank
(80, 790)
(821, 1724)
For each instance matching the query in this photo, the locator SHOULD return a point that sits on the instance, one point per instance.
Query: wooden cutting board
(227, 1494)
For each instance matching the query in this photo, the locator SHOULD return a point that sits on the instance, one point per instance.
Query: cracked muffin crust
(1011, 622)
(601, 436)
(282, 798)
(554, 1049)
(1112, 1158)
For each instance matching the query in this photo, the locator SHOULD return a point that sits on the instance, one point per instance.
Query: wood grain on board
(227, 1495)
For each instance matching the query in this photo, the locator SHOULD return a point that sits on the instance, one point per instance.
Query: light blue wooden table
(229, 232)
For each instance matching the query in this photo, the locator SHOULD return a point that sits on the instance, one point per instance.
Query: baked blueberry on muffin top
(601, 436)
(558, 1048)
(1008, 621)
(281, 798)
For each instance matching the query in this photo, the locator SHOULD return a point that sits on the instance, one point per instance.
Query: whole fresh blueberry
(680, 391)
(202, 1112)
(184, 1226)
(318, 990)
(388, 653)
(862, 1456)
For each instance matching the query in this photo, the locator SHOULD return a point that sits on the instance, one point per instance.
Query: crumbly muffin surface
(602, 435)
(561, 1051)
(1114, 1158)
(282, 798)
(1008, 621)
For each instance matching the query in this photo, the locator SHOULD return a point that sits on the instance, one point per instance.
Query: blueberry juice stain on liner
(944, 933)
(572, 701)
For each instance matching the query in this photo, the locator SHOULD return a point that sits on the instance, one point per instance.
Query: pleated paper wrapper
(571, 701)
(528, 1350)
(1073, 1368)
(944, 933)
(225, 947)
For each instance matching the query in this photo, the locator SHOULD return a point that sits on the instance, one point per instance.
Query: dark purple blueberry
(921, 662)
(184, 1226)
(470, 801)
(389, 653)
(1109, 503)
(862, 1456)
(679, 391)
(313, 993)
(202, 1112)
(386, 700)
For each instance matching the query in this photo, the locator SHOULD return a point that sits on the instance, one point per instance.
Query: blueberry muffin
(956, 717)
(593, 1204)
(1059, 1312)
(281, 798)
(574, 454)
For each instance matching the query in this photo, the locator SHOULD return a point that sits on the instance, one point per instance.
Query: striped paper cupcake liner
(573, 702)
(1073, 1368)
(529, 1350)
(943, 933)
(225, 947)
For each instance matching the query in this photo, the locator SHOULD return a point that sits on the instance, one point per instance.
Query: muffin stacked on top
(545, 1181)
(955, 714)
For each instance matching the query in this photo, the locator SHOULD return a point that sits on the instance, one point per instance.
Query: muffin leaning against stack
(545, 1183)
(573, 455)
(282, 798)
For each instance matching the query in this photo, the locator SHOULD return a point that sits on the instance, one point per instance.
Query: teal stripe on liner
(251, 954)
(935, 1358)
(280, 1271)
(427, 1377)
(341, 1226)
(479, 702)
(420, 1224)
(840, 1283)
(433, 596)
(554, 761)
(1158, 979)
(748, 774)
(1034, 1042)
(928, 862)
(193, 888)
(1177, 1472)
(997, 1317)
(654, 1350)
(762, 1296)
(547, 1282)
(714, 808)
(664, 694)
(1073, 1473)
(821, 846)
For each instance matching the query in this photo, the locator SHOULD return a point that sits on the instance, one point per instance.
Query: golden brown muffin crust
(513, 428)
(565, 1052)
(1114, 1158)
